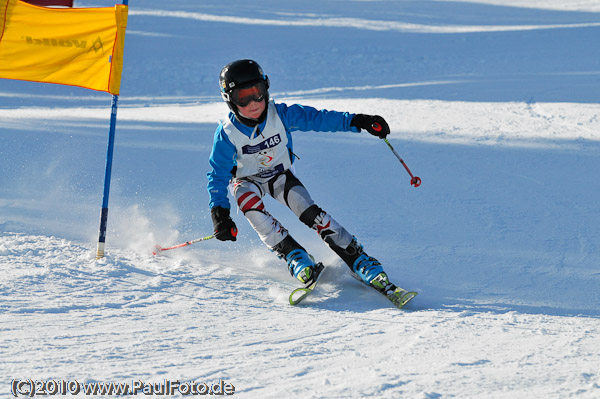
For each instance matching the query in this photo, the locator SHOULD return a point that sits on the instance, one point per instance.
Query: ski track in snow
(493, 103)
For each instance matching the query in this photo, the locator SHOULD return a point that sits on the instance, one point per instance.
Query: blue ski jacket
(294, 117)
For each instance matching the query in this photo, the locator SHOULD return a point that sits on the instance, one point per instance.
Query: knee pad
(310, 215)
(320, 221)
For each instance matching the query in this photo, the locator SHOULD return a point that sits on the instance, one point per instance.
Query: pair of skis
(299, 294)
(398, 296)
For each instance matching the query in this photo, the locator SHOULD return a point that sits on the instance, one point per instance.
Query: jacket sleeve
(222, 162)
(304, 118)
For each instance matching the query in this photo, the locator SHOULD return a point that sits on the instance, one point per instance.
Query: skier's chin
(252, 115)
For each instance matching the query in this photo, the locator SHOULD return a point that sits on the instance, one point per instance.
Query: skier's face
(251, 101)
(253, 110)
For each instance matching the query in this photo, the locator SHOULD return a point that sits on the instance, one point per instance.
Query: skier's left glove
(373, 124)
(224, 226)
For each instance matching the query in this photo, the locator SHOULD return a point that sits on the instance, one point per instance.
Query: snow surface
(494, 104)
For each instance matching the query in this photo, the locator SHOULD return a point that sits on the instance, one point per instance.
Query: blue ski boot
(362, 266)
(370, 271)
(300, 263)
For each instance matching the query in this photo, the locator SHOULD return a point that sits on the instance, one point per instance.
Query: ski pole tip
(156, 249)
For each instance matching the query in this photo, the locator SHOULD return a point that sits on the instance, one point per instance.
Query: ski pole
(414, 180)
(157, 248)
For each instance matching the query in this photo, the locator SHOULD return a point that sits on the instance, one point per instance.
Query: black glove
(225, 229)
(373, 124)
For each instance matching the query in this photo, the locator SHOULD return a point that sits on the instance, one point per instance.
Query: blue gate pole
(107, 174)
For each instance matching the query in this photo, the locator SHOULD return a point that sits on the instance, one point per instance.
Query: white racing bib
(265, 154)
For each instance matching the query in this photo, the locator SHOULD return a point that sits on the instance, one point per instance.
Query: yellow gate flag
(72, 46)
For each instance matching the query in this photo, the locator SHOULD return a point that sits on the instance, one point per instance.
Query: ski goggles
(243, 97)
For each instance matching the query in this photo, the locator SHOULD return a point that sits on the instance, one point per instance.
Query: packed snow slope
(494, 104)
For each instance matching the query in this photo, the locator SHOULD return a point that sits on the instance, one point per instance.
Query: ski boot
(300, 264)
(370, 271)
(362, 266)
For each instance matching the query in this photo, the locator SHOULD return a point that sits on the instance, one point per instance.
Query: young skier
(252, 151)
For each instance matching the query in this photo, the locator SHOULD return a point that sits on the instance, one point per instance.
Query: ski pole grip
(234, 231)
(376, 126)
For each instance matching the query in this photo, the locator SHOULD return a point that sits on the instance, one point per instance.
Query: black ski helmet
(241, 74)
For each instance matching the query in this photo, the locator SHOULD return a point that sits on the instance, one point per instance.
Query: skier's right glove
(224, 226)
(373, 124)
